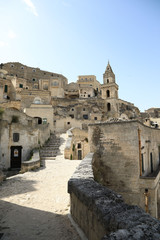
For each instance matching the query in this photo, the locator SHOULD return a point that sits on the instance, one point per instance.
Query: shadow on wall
(17, 222)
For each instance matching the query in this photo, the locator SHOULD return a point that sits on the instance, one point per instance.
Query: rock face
(102, 214)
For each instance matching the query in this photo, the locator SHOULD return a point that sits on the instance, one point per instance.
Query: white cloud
(11, 34)
(31, 7)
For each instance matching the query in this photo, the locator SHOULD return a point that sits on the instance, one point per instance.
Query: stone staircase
(51, 148)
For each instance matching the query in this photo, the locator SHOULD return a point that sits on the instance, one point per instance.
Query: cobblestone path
(34, 205)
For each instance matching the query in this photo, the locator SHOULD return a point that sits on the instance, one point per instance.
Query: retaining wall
(102, 214)
(32, 164)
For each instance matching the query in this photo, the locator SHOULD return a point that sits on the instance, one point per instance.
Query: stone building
(19, 135)
(77, 146)
(127, 159)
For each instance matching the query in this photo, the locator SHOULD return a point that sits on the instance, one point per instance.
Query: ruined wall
(102, 214)
(117, 161)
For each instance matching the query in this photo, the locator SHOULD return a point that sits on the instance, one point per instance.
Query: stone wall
(102, 214)
(32, 164)
(117, 163)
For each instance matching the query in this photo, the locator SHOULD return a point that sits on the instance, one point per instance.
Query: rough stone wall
(29, 73)
(42, 111)
(117, 162)
(102, 214)
(28, 97)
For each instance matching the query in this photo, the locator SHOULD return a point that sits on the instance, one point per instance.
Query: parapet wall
(102, 214)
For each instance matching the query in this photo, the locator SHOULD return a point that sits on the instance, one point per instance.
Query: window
(15, 137)
(81, 78)
(108, 107)
(79, 145)
(89, 95)
(71, 115)
(95, 118)
(108, 93)
(33, 70)
(22, 67)
(72, 109)
(44, 73)
(55, 83)
(86, 79)
(68, 123)
(35, 86)
(12, 65)
(107, 80)
(44, 120)
(20, 85)
(85, 116)
(6, 88)
(84, 109)
(33, 79)
(45, 87)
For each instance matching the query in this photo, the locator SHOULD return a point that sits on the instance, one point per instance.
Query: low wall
(32, 164)
(102, 214)
(2, 176)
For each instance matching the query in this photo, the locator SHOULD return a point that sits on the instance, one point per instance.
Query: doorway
(16, 156)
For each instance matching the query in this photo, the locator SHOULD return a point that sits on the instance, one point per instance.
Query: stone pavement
(34, 205)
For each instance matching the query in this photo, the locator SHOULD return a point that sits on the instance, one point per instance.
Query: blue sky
(75, 37)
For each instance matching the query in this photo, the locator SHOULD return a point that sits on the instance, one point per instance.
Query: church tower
(109, 92)
(109, 88)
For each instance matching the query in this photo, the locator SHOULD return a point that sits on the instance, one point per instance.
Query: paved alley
(35, 205)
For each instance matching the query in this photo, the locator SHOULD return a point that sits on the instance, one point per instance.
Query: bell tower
(109, 88)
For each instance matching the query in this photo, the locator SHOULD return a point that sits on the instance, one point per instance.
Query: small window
(89, 95)
(20, 85)
(45, 87)
(85, 116)
(44, 120)
(68, 123)
(107, 80)
(108, 107)
(84, 109)
(79, 145)
(95, 118)
(22, 67)
(15, 137)
(33, 70)
(27, 87)
(33, 79)
(108, 93)
(12, 65)
(81, 78)
(72, 109)
(71, 115)
(86, 79)
(44, 73)
(35, 86)
(12, 75)
(6, 88)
